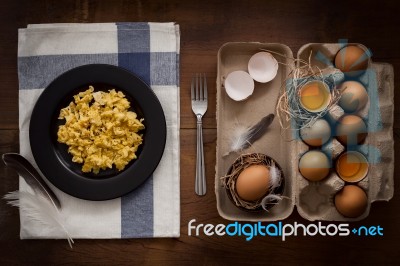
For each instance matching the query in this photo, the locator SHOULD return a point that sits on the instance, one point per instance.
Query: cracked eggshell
(239, 85)
(263, 67)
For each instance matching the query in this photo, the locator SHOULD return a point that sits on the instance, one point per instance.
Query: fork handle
(200, 182)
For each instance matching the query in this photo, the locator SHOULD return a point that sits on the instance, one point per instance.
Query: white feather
(38, 209)
(267, 200)
(275, 181)
(275, 177)
(240, 138)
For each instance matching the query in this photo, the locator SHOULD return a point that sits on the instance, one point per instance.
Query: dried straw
(243, 162)
(288, 108)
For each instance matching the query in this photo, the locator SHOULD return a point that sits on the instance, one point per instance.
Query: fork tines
(199, 87)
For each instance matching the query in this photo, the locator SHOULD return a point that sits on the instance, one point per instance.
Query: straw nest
(272, 195)
(288, 108)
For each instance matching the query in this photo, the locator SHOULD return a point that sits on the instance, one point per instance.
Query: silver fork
(199, 107)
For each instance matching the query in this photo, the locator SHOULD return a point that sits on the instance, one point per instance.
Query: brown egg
(351, 59)
(351, 201)
(353, 97)
(253, 183)
(351, 130)
(314, 165)
(317, 134)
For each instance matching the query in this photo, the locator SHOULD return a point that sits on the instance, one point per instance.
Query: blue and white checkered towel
(151, 51)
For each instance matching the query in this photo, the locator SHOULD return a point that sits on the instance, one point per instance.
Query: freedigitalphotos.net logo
(279, 229)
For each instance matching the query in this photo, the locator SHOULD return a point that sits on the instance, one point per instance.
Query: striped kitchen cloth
(149, 50)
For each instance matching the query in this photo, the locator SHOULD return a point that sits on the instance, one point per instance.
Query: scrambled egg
(100, 131)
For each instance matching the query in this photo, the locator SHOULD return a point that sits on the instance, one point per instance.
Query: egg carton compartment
(314, 200)
(384, 73)
(331, 183)
(377, 146)
(384, 191)
(233, 114)
(334, 215)
(387, 115)
(333, 148)
(364, 184)
(335, 113)
(382, 138)
(302, 147)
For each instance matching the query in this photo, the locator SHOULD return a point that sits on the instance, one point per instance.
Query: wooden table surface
(205, 26)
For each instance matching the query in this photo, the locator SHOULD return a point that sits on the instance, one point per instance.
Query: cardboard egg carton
(314, 200)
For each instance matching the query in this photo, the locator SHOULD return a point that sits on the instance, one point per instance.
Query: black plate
(52, 157)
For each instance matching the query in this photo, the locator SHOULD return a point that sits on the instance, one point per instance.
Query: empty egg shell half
(352, 166)
(239, 85)
(315, 96)
(314, 165)
(263, 67)
(316, 134)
